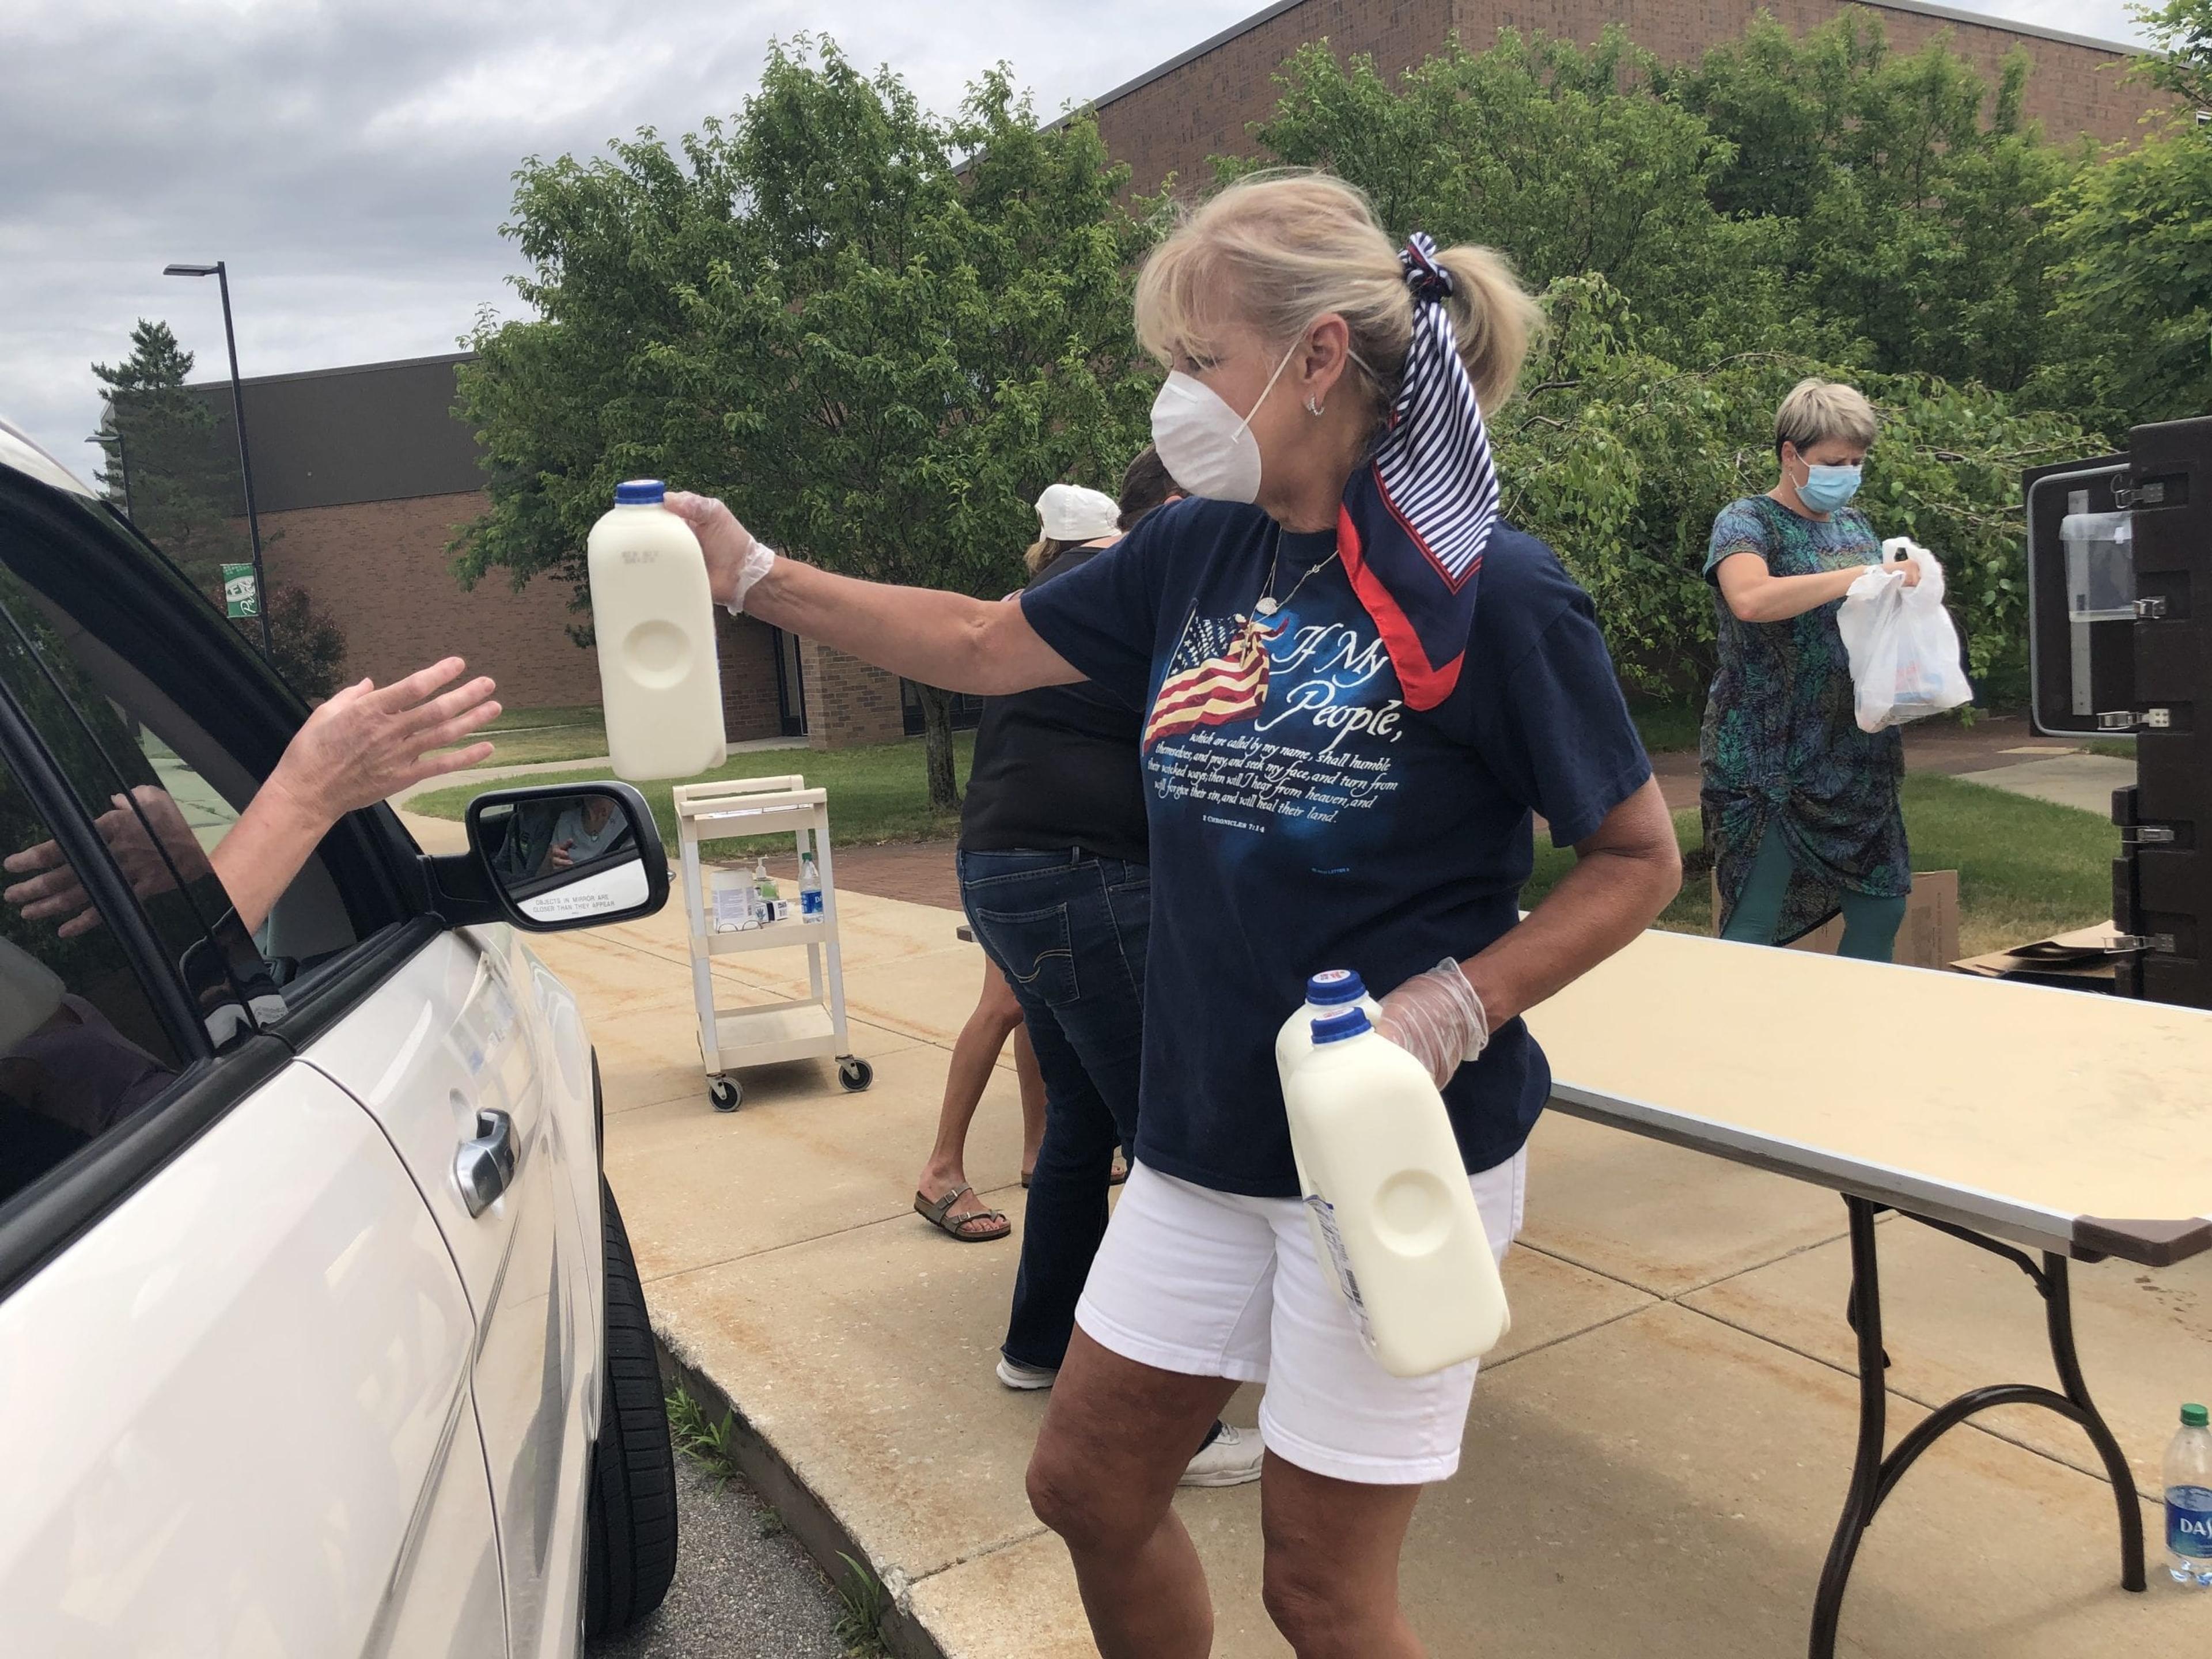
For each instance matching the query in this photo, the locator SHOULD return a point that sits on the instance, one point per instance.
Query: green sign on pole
(239, 596)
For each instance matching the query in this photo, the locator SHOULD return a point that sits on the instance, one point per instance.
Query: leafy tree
(876, 333)
(2180, 59)
(1910, 190)
(1620, 459)
(181, 484)
(2132, 271)
(1556, 153)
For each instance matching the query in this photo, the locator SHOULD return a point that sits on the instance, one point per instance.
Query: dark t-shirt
(1302, 817)
(1056, 767)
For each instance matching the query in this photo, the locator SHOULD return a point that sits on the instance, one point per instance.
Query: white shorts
(1211, 1284)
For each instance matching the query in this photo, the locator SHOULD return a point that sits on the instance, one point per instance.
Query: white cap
(1072, 513)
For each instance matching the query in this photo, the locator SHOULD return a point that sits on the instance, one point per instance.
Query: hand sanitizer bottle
(653, 616)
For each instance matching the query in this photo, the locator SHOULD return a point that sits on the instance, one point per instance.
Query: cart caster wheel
(726, 1093)
(855, 1074)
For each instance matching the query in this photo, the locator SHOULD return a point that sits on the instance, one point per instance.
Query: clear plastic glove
(736, 558)
(1437, 1018)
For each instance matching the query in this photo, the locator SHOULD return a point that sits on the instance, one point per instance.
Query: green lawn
(876, 792)
(2027, 869)
(1667, 726)
(554, 732)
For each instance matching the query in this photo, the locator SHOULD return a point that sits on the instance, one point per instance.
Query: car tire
(629, 1549)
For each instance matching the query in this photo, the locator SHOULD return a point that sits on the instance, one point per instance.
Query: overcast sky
(350, 158)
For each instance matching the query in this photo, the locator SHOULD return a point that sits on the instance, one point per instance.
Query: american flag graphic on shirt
(1219, 675)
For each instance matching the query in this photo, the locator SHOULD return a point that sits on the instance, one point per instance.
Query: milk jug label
(1325, 1213)
(2189, 1520)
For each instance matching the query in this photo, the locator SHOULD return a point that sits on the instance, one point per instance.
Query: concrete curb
(808, 1519)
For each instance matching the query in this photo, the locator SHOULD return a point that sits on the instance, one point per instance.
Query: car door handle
(484, 1166)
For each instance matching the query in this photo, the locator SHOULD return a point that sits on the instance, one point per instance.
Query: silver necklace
(1266, 604)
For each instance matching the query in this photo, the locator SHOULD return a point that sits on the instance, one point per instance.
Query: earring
(1313, 406)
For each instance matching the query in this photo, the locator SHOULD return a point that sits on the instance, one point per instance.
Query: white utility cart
(763, 1034)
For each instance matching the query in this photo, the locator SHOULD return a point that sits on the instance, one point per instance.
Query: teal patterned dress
(1780, 746)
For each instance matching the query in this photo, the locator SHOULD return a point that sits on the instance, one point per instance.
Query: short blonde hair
(1278, 249)
(1816, 410)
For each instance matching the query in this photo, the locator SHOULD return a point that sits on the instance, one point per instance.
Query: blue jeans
(1068, 930)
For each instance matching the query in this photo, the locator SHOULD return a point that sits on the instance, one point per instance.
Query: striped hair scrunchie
(1418, 514)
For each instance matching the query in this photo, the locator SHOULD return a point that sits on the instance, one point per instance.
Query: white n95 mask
(1206, 447)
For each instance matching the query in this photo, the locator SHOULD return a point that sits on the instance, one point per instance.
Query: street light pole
(122, 465)
(220, 272)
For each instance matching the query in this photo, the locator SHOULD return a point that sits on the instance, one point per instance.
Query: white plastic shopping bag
(1904, 650)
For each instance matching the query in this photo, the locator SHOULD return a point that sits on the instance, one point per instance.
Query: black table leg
(1874, 1476)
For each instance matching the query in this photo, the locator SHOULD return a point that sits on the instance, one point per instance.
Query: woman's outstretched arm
(946, 640)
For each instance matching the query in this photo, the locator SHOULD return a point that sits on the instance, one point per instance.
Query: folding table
(2079, 1126)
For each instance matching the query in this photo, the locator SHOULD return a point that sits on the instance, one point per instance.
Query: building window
(966, 710)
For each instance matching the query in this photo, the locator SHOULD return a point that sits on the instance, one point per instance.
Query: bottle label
(1325, 1213)
(810, 904)
(2189, 1520)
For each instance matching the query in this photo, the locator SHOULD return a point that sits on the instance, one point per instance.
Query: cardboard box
(2087, 959)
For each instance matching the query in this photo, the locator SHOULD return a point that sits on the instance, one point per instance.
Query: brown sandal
(955, 1226)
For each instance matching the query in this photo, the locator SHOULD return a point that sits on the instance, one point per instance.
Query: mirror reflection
(566, 858)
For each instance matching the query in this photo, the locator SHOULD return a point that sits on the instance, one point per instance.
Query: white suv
(318, 1332)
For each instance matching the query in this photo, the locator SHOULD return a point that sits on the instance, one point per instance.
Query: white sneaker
(1230, 1460)
(1015, 1374)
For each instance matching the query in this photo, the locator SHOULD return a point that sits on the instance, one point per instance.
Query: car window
(158, 824)
(82, 1046)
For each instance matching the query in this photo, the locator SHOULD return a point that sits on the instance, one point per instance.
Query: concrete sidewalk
(1654, 1461)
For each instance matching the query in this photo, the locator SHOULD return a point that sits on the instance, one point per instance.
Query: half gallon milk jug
(1386, 1196)
(654, 617)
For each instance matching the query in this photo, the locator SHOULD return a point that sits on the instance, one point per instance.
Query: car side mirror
(563, 855)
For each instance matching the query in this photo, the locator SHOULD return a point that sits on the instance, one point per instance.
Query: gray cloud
(350, 158)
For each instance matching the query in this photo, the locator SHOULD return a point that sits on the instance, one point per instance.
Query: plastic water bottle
(1387, 1195)
(2188, 1501)
(653, 616)
(809, 889)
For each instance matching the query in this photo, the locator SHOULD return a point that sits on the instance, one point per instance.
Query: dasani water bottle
(2188, 1501)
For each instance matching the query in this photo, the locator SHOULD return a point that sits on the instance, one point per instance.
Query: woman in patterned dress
(1801, 806)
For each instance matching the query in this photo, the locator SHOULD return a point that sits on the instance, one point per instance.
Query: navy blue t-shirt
(1302, 817)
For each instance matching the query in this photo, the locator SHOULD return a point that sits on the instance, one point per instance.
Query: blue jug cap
(640, 492)
(1333, 984)
(1334, 1028)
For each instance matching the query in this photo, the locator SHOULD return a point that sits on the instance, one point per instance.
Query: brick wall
(1202, 108)
(747, 650)
(381, 569)
(848, 701)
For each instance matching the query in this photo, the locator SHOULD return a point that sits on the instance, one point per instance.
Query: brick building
(1199, 104)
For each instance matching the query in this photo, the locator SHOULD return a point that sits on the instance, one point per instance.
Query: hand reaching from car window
(370, 742)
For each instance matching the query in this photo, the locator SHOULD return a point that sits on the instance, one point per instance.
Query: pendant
(1266, 604)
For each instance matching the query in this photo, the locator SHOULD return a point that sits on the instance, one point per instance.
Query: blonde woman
(1358, 683)
(1800, 805)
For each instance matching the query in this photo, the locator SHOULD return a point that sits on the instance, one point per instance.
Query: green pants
(1870, 925)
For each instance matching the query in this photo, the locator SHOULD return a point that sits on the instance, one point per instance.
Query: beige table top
(2063, 1119)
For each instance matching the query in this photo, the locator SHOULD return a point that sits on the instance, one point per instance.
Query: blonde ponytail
(1278, 249)
(1493, 320)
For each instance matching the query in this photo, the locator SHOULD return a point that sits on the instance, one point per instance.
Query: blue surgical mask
(1827, 487)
